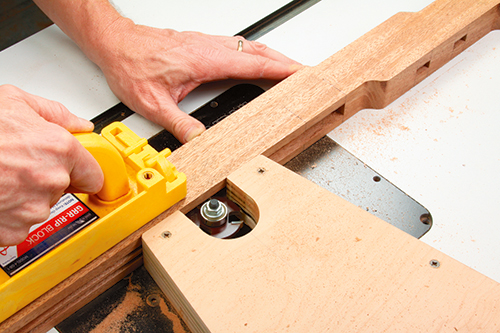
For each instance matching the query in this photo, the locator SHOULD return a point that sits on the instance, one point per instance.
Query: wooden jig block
(313, 263)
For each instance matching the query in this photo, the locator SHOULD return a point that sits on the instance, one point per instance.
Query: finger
(12, 236)
(246, 66)
(57, 113)
(181, 125)
(255, 48)
(86, 175)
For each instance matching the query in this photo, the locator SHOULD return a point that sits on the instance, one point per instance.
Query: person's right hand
(39, 160)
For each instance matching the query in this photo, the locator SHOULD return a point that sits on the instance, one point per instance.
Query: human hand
(151, 70)
(39, 161)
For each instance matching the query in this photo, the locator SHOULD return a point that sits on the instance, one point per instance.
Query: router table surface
(439, 142)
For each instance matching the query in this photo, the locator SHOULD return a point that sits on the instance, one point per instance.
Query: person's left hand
(151, 69)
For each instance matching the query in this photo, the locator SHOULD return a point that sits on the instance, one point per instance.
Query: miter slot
(275, 19)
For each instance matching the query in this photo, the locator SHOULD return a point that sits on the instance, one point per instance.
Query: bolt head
(214, 212)
(213, 204)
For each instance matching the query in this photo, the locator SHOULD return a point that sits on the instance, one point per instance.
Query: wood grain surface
(371, 72)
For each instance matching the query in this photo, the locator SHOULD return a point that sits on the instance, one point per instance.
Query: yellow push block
(139, 184)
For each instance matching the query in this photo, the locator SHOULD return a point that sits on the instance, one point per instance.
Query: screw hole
(376, 179)
(148, 175)
(261, 170)
(166, 234)
(425, 219)
(214, 104)
(153, 300)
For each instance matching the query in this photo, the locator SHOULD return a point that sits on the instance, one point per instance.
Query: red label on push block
(66, 218)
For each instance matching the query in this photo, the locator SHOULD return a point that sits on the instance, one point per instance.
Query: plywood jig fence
(313, 263)
(369, 73)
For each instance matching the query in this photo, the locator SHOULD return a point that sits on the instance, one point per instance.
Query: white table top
(439, 142)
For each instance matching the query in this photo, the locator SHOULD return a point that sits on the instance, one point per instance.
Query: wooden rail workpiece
(371, 72)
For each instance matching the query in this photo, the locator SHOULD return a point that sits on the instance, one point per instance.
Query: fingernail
(193, 133)
(296, 67)
(87, 125)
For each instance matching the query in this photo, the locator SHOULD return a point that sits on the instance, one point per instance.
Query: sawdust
(118, 320)
(115, 320)
(177, 326)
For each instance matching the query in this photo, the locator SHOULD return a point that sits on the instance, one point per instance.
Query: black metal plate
(211, 113)
(117, 113)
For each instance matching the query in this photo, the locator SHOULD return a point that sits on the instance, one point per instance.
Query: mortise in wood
(424, 68)
(423, 71)
(460, 42)
(340, 110)
(371, 72)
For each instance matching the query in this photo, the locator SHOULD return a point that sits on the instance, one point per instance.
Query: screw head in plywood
(434, 263)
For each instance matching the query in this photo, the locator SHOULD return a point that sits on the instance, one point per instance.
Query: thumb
(57, 113)
(181, 125)
(86, 175)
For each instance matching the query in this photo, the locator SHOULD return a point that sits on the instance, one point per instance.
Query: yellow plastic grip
(139, 184)
(116, 182)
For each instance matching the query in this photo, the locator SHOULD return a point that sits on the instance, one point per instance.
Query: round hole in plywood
(242, 217)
